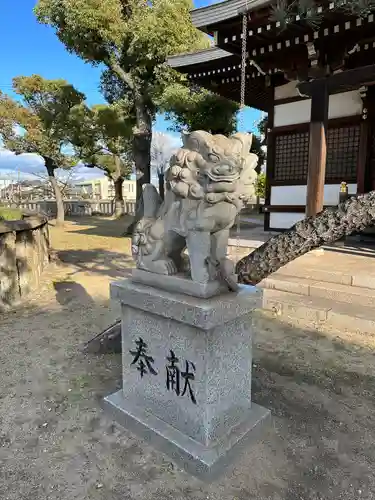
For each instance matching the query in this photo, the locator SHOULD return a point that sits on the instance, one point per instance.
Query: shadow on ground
(70, 291)
(101, 226)
(110, 227)
(98, 261)
(56, 442)
(350, 246)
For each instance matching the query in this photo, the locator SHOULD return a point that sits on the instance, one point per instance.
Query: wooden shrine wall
(287, 161)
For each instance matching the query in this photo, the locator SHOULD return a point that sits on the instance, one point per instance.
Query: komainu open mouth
(223, 177)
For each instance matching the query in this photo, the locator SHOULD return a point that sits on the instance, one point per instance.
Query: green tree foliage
(259, 140)
(193, 108)
(256, 147)
(37, 123)
(133, 39)
(262, 126)
(102, 138)
(260, 186)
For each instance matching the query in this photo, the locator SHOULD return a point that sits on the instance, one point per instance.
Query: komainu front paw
(163, 266)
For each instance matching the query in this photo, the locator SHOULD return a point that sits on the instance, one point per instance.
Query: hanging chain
(242, 110)
(243, 70)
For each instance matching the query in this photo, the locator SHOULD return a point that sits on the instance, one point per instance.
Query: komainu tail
(151, 201)
(152, 204)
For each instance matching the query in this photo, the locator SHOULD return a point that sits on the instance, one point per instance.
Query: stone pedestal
(187, 366)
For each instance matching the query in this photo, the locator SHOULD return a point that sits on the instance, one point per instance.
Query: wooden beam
(364, 166)
(341, 81)
(297, 209)
(317, 149)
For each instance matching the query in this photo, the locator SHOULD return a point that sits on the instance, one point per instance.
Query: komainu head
(214, 168)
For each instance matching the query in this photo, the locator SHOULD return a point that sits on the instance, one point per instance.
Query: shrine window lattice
(292, 155)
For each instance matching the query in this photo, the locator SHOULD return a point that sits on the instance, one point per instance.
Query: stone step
(359, 279)
(321, 289)
(317, 274)
(352, 317)
(285, 283)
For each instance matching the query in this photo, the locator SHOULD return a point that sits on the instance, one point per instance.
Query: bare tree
(162, 148)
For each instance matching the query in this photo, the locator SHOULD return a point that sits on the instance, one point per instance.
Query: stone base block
(205, 462)
(179, 284)
(187, 366)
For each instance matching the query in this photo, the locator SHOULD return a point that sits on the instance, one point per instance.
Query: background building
(102, 188)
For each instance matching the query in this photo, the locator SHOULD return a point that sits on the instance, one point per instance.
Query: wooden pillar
(317, 148)
(364, 173)
(270, 158)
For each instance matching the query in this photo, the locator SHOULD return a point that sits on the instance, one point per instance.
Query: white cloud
(84, 173)
(29, 165)
(22, 166)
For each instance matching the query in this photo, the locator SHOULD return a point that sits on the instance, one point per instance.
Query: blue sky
(27, 47)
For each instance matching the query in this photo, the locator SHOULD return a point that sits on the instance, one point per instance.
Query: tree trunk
(161, 185)
(352, 216)
(60, 215)
(142, 157)
(119, 199)
(141, 138)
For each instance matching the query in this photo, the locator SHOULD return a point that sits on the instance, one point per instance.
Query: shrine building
(316, 82)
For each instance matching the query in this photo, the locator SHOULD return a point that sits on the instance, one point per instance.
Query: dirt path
(56, 443)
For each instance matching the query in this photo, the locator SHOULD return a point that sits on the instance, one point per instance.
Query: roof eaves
(202, 56)
(205, 17)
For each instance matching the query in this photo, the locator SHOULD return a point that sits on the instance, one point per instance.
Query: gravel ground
(56, 442)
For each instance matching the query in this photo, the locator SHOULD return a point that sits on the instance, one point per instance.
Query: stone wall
(24, 254)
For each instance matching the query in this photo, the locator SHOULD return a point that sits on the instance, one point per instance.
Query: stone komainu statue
(207, 183)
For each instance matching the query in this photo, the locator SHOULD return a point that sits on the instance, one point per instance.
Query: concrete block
(287, 284)
(364, 281)
(293, 305)
(352, 317)
(316, 274)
